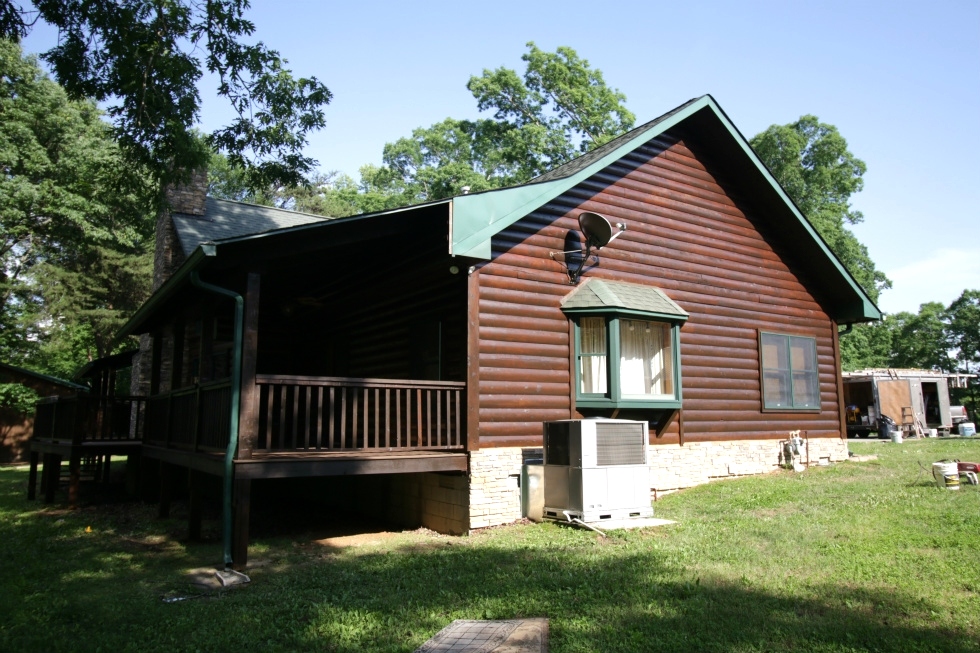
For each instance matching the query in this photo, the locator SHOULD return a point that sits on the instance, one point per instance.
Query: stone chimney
(190, 199)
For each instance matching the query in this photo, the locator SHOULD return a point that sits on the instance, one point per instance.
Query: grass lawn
(865, 556)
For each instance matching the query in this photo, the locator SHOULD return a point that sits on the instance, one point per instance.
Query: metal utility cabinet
(596, 469)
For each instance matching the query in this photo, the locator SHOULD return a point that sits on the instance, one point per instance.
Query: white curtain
(645, 358)
(593, 355)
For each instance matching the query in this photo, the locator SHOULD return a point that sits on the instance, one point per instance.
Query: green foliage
(964, 328)
(76, 218)
(143, 60)
(853, 557)
(18, 398)
(811, 161)
(330, 194)
(921, 340)
(559, 108)
(867, 346)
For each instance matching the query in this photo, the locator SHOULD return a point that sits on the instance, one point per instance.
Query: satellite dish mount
(598, 232)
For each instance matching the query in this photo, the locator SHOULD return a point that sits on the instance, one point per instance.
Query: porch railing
(82, 418)
(195, 419)
(306, 413)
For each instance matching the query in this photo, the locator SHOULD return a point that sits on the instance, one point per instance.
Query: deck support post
(50, 476)
(106, 459)
(242, 500)
(32, 477)
(194, 487)
(74, 476)
(166, 489)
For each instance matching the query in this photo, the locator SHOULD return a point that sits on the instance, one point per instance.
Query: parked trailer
(916, 400)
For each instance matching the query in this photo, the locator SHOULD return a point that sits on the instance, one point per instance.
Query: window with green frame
(789, 372)
(627, 361)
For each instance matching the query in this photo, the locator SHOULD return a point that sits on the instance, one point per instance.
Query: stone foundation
(495, 495)
(673, 466)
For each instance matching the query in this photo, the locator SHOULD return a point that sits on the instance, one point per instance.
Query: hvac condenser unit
(596, 469)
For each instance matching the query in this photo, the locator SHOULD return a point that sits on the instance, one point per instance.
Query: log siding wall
(686, 235)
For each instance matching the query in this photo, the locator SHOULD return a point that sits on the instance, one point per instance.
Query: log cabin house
(412, 355)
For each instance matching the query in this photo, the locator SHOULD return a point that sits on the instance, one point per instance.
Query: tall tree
(70, 205)
(811, 161)
(559, 108)
(964, 328)
(143, 60)
(921, 340)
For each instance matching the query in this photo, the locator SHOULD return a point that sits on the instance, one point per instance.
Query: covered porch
(321, 350)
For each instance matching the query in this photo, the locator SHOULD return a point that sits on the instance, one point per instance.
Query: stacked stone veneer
(495, 496)
(495, 493)
(673, 466)
(188, 198)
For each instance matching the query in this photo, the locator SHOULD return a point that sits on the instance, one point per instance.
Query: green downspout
(236, 393)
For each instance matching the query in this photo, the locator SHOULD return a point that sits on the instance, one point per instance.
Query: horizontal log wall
(375, 314)
(688, 235)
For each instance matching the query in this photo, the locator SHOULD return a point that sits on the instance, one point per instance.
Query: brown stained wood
(267, 441)
(527, 324)
(529, 337)
(343, 418)
(166, 490)
(519, 387)
(499, 307)
(155, 362)
(522, 349)
(687, 236)
(388, 421)
(525, 375)
(544, 402)
(474, 361)
(319, 417)
(241, 508)
(194, 505)
(306, 431)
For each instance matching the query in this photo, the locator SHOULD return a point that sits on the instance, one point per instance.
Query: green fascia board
(43, 377)
(478, 217)
(610, 310)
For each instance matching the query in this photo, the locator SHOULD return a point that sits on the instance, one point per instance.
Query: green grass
(853, 557)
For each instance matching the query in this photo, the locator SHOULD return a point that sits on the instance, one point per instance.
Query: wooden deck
(283, 464)
(81, 428)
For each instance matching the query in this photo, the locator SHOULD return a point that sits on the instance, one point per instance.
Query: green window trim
(789, 373)
(613, 396)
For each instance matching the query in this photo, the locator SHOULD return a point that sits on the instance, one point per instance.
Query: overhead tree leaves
(143, 60)
(811, 162)
(74, 213)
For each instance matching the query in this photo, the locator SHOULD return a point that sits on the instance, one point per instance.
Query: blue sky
(900, 80)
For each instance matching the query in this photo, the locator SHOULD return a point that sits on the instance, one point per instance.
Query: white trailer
(916, 400)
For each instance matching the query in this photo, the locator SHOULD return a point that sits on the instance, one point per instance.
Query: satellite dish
(598, 232)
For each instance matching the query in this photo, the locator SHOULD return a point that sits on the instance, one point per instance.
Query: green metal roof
(478, 217)
(9, 374)
(600, 295)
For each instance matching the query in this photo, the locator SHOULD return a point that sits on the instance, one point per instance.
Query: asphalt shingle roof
(600, 293)
(228, 219)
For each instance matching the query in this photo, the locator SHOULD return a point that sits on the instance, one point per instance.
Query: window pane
(645, 365)
(789, 369)
(777, 390)
(592, 359)
(806, 385)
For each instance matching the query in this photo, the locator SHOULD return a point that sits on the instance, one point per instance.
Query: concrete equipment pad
(501, 636)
